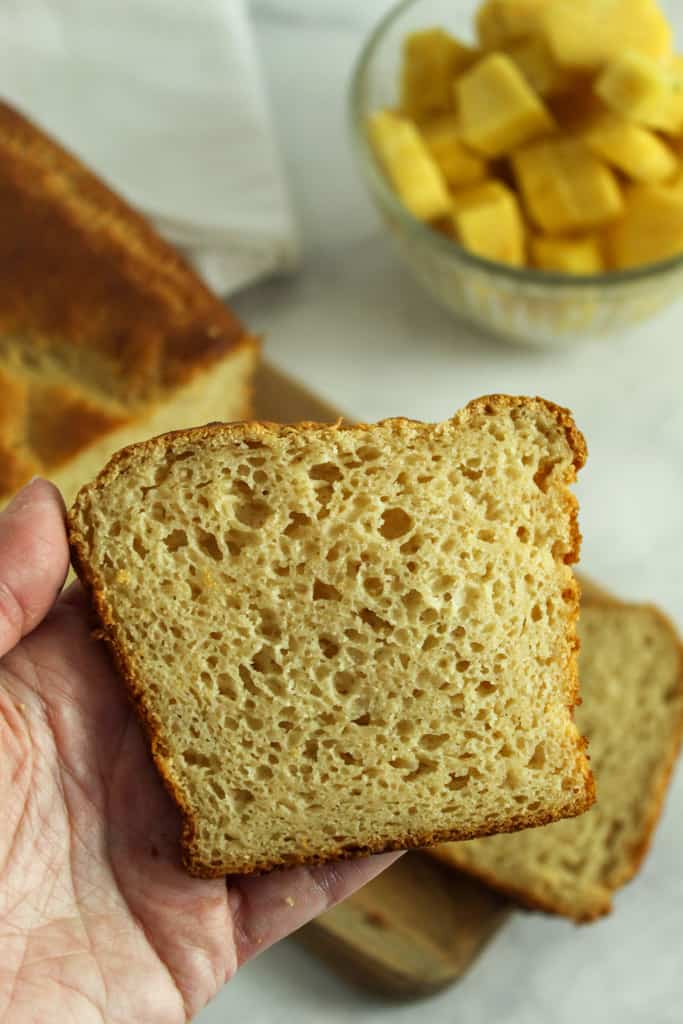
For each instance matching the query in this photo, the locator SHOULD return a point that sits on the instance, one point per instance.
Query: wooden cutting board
(419, 926)
(411, 932)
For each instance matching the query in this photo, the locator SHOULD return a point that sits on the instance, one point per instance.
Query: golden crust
(250, 431)
(91, 295)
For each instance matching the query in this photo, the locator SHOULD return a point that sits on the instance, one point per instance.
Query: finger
(34, 558)
(266, 909)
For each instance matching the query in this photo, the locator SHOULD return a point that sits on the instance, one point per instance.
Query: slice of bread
(106, 336)
(347, 639)
(631, 671)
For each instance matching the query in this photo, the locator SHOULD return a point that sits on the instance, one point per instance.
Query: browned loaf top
(347, 639)
(100, 320)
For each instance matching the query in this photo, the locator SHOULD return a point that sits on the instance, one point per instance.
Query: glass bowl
(530, 307)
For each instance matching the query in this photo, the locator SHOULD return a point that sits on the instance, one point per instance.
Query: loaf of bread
(631, 671)
(347, 639)
(106, 336)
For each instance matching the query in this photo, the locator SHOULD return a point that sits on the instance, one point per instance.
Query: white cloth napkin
(164, 99)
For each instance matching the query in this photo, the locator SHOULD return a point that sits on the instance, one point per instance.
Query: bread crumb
(289, 901)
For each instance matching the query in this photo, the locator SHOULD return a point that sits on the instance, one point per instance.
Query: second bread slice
(347, 639)
(631, 668)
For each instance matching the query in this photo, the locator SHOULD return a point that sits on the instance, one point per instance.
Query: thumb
(34, 559)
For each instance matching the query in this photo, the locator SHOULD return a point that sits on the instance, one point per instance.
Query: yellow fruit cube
(644, 90)
(632, 149)
(534, 59)
(567, 255)
(459, 165)
(565, 187)
(409, 165)
(586, 34)
(431, 61)
(651, 228)
(500, 22)
(488, 221)
(497, 107)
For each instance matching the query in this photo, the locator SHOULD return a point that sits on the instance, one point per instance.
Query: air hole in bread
(209, 544)
(196, 758)
(327, 471)
(537, 759)
(298, 524)
(395, 523)
(329, 647)
(374, 621)
(432, 741)
(325, 591)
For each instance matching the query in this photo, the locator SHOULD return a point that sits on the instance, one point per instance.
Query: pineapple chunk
(643, 90)
(651, 228)
(409, 165)
(498, 109)
(586, 34)
(636, 151)
(500, 22)
(565, 187)
(459, 165)
(534, 59)
(431, 61)
(568, 255)
(488, 221)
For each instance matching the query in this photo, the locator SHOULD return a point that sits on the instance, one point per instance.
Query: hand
(98, 920)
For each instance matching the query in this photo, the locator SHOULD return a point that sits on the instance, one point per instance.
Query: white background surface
(354, 326)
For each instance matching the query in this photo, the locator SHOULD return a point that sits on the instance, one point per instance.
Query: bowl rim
(448, 246)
